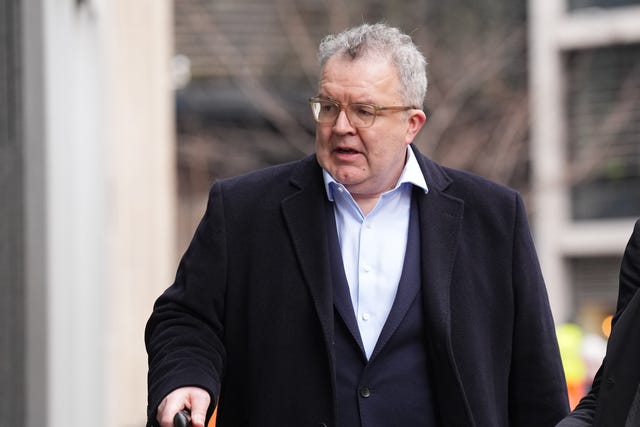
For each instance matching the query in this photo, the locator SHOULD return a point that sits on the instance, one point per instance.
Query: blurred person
(614, 398)
(364, 285)
(570, 337)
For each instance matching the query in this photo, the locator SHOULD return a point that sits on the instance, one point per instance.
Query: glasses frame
(345, 108)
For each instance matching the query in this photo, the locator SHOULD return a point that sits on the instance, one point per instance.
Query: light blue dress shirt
(373, 247)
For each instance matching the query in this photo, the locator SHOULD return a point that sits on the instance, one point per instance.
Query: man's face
(367, 161)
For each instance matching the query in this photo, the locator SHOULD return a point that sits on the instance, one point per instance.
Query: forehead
(367, 77)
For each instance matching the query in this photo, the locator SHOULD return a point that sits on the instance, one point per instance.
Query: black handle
(182, 419)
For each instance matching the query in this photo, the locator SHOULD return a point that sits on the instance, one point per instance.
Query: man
(614, 398)
(362, 286)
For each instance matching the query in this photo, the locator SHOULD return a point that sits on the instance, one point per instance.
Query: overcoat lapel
(304, 215)
(440, 223)
(440, 218)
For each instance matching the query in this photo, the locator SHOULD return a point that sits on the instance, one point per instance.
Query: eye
(363, 110)
(327, 107)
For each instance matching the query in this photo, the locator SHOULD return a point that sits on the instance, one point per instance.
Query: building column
(12, 245)
(99, 216)
(548, 156)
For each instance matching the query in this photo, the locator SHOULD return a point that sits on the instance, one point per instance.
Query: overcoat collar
(440, 224)
(304, 214)
(441, 216)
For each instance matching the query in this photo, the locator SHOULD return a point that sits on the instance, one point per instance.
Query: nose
(342, 124)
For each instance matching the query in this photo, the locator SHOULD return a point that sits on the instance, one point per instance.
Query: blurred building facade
(88, 206)
(585, 145)
(251, 66)
(89, 161)
(552, 111)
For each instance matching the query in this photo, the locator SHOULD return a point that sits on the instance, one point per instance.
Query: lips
(343, 150)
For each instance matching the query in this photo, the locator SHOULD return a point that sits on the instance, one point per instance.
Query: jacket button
(365, 392)
(611, 382)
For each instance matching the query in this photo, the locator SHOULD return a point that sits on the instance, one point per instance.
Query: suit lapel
(407, 288)
(341, 296)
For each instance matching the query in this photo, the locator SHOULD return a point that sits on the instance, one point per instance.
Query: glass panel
(583, 4)
(595, 285)
(603, 106)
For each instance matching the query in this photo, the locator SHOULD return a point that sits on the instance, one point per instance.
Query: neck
(366, 202)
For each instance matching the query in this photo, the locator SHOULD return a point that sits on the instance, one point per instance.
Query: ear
(415, 121)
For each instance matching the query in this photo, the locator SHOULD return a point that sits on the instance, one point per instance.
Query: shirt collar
(411, 174)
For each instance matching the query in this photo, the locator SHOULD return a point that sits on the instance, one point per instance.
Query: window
(603, 107)
(595, 289)
(583, 4)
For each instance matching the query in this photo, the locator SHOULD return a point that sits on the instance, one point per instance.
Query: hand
(195, 399)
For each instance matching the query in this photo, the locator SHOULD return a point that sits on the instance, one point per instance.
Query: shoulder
(272, 174)
(475, 186)
(273, 178)
(268, 186)
(478, 194)
(629, 272)
(459, 183)
(487, 206)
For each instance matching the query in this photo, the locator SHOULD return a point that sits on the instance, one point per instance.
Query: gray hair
(380, 39)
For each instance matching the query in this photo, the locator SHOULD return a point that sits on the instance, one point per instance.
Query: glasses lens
(324, 111)
(361, 115)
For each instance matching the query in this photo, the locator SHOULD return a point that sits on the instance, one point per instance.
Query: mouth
(344, 150)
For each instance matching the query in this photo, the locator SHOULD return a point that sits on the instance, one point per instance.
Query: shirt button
(365, 392)
(366, 316)
(366, 268)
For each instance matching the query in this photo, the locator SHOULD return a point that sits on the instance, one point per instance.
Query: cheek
(322, 136)
(385, 149)
(376, 143)
(322, 148)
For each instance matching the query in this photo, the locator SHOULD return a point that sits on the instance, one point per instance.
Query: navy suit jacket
(614, 399)
(250, 314)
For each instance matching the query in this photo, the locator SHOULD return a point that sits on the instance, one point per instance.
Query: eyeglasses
(326, 111)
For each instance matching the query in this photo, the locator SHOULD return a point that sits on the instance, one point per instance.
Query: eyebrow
(328, 98)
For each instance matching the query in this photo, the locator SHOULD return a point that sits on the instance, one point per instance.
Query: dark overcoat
(250, 315)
